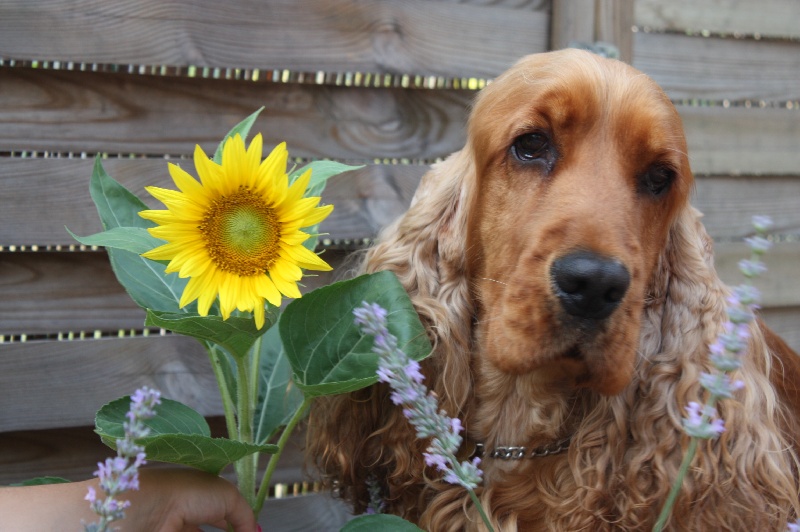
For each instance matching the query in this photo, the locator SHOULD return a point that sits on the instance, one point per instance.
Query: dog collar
(518, 452)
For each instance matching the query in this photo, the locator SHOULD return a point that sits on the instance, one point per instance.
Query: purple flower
(419, 405)
(762, 223)
(719, 384)
(758, 244)
(751, 267)
(702, 421)
(120, 473)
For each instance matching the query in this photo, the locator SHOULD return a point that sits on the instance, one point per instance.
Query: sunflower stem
(246, 469)
(273, 460)
(222, 383)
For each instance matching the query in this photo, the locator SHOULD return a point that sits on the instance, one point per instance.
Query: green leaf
(327, 352)
(382, 522)
(144, 280)
(321, 171)
(278, 398)
(242, 129)
(116, 205)
(147, 283)
(236, 334)
(134, 239)
(178, 435)
(41, 481)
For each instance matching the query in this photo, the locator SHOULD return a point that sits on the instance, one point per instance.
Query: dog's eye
(530, 147)
(657, 179)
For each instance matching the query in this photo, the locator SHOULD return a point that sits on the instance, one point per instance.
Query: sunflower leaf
(144, 280)
(134, 239)
(328, 353)
(321, 171)
(236, 334)
(178, 435)
(242, 129)
(278, 398)
(116, 205)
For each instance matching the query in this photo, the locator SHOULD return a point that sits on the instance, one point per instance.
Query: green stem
(273, 460)
(479, 506)
(676, 486)
(222, 383)
(245, 469)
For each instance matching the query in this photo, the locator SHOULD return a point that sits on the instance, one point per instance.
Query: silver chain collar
(518, 453)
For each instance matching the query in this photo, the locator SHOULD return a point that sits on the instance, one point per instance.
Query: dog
(569, 290)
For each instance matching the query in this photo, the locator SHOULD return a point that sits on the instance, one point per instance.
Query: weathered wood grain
(365, 200)
(742, 141)
(123, 113)
(49, 293)
(51, 384)
(572, 21)
(41, 196)
(780, 285)
(614, 23)
(719, 69)
(729, 203)
(73, 452)
(764, 17)
(442, 38)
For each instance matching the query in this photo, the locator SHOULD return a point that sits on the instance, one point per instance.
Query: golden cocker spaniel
(570, 292)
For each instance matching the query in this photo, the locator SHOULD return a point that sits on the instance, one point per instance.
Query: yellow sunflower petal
(266, 288)
(305, 258)
(235, 231)
(297, 189)
(287, 288)
(188, 184)
(159, 217)
(209, 173)
(258, 314)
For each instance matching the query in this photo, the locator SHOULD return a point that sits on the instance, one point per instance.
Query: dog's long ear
(362, 435)
(684, 314)
(426, 249)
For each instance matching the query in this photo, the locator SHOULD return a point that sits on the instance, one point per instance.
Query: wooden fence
(382, 82)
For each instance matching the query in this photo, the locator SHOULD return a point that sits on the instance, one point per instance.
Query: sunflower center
(242, 233)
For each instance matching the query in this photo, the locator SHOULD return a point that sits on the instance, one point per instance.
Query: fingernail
(259, 528)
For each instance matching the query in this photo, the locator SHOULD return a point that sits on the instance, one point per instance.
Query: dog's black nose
(589, 285)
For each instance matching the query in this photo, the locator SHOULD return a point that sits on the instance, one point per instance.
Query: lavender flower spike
(420, 406)
(121, 473)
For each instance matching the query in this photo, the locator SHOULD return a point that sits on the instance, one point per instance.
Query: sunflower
(236, 233)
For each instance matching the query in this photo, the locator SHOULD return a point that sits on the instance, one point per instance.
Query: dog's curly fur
(475, 251)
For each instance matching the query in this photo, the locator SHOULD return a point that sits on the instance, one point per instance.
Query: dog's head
(580, 168)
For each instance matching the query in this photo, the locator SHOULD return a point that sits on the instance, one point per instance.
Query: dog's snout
(589, 285)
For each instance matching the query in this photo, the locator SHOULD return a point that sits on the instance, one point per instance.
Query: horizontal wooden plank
(729, 203)
(742, 141)
(365, 200)
(765, 17)
(122, 113)
(719, 69)
(48, 293)
(45, 294)
(64, 383)
(150, 115)
(73, 453)
(419, 37)
(780, 285)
